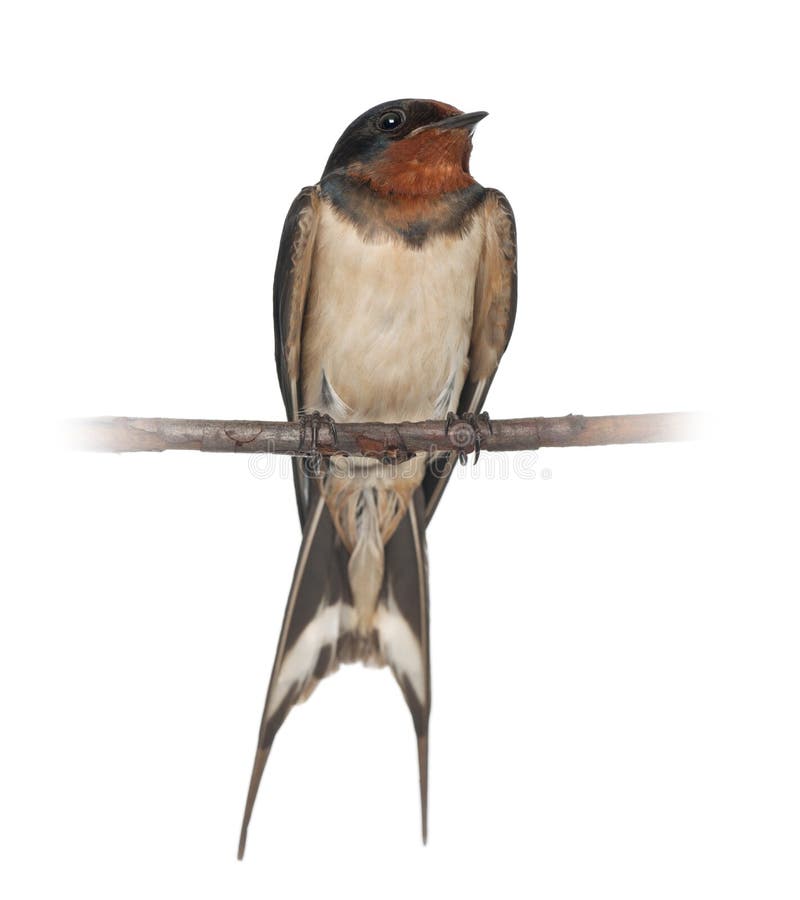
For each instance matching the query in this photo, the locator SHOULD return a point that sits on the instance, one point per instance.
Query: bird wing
(292, 277)
(492, 322)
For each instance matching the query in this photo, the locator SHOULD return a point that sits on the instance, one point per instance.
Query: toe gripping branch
(309, 438)
(467, 435)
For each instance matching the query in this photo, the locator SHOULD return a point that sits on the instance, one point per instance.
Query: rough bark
(376, 439)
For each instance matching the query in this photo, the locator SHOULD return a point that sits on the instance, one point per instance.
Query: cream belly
(387, 327)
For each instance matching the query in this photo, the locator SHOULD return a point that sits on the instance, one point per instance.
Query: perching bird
(395, 293)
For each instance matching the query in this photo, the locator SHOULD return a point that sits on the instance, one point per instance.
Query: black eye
(392, 120)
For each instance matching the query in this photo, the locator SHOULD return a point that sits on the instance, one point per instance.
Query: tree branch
(376, 439)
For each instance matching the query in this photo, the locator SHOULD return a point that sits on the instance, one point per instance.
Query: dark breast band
(411, 219)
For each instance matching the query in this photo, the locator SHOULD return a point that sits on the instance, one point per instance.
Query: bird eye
(392, 120)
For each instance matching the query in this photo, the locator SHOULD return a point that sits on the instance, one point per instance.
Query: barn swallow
(394, 299)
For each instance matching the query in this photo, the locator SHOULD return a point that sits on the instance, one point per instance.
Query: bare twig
(376, 439)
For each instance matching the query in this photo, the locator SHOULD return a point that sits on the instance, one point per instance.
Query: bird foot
(468, 439)
(309, 438)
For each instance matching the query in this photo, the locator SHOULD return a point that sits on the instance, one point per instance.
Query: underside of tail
(325, 625)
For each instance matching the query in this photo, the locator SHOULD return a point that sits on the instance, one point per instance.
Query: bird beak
(464, 120)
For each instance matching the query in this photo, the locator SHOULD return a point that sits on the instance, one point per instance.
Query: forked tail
(323, 626)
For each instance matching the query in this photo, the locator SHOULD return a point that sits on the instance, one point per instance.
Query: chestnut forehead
(444, 108)
(424, 111)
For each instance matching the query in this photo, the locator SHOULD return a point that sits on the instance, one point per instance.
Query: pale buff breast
(387, 327)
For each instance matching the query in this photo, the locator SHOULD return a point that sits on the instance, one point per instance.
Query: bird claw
(474, 421)
(310, 422)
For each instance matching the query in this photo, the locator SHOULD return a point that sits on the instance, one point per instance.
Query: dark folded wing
(493, 320)
(292, 276)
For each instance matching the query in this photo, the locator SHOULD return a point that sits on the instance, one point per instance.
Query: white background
(614, 647)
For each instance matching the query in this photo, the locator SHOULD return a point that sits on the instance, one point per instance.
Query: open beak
(463, 120)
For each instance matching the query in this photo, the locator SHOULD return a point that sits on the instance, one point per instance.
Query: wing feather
(290, 291)
(492, 323)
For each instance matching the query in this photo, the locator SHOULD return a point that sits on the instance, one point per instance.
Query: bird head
(407, 148)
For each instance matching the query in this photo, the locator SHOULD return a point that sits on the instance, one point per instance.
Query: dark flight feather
(290, 290)
(493, 321)
(406, 585)
(318, 597)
